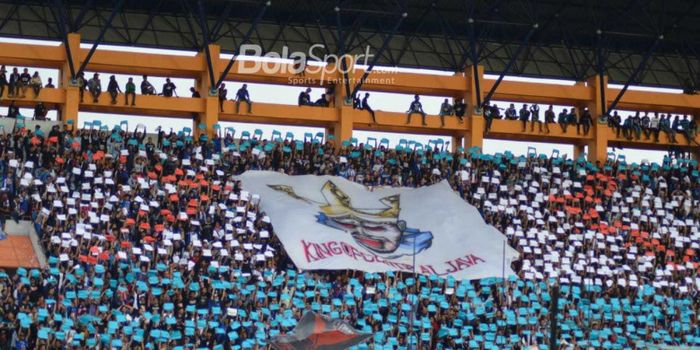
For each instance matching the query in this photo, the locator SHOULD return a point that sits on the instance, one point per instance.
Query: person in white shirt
(654, 126)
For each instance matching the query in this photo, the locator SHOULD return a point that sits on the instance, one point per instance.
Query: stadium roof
(434, 35)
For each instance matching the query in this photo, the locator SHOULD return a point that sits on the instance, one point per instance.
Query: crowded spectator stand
(153, 243)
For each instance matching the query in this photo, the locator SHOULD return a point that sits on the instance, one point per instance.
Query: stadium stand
(152, 243)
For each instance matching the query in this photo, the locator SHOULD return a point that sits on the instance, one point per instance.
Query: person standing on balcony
(489, 113)
(535, 117)
(82, 85)
(222, 96)
(524, 116)
(113, 89)
(130, 90)
(243, 96)
(95, 87)
(415, 107)
(549, 118)
(3, 80)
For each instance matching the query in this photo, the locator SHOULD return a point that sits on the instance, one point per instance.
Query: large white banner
(330, 223)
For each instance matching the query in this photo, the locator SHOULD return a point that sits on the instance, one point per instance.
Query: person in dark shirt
(146, 87)
(417, 108)
(3, 79)
(511, 113)
(130, 90)
(549, 118)
(95, 87)
(563, 120)
(321, 102)
(113, 89)
(637, 126)
(330, 94)
(24, 80)
(488, 115)
(365, 106)
(222, 96)
(40, 111)
(305, 98)
(535, 117)
(13, 84)
(615, 121)
(356, 102)
(195, 93)
(169, 88)
(586, 120)
(49, 84)
(82, 85)
(573, 120)
(243, 96)
(446, 109)
(524, 116)
(460, 108)
(12, 110)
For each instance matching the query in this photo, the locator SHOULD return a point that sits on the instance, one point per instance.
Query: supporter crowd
(152, 243)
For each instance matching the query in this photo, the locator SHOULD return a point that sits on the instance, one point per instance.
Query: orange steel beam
(342, 119)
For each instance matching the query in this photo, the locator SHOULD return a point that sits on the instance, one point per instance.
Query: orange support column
(71, 105)
(598, 146)
(475, 135)
(210, 116)
(344, 126)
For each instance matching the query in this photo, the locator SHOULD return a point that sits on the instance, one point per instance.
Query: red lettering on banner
(307, 246)
(314, 252)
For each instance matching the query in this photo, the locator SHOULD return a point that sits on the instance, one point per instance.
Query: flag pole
(413, 303)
